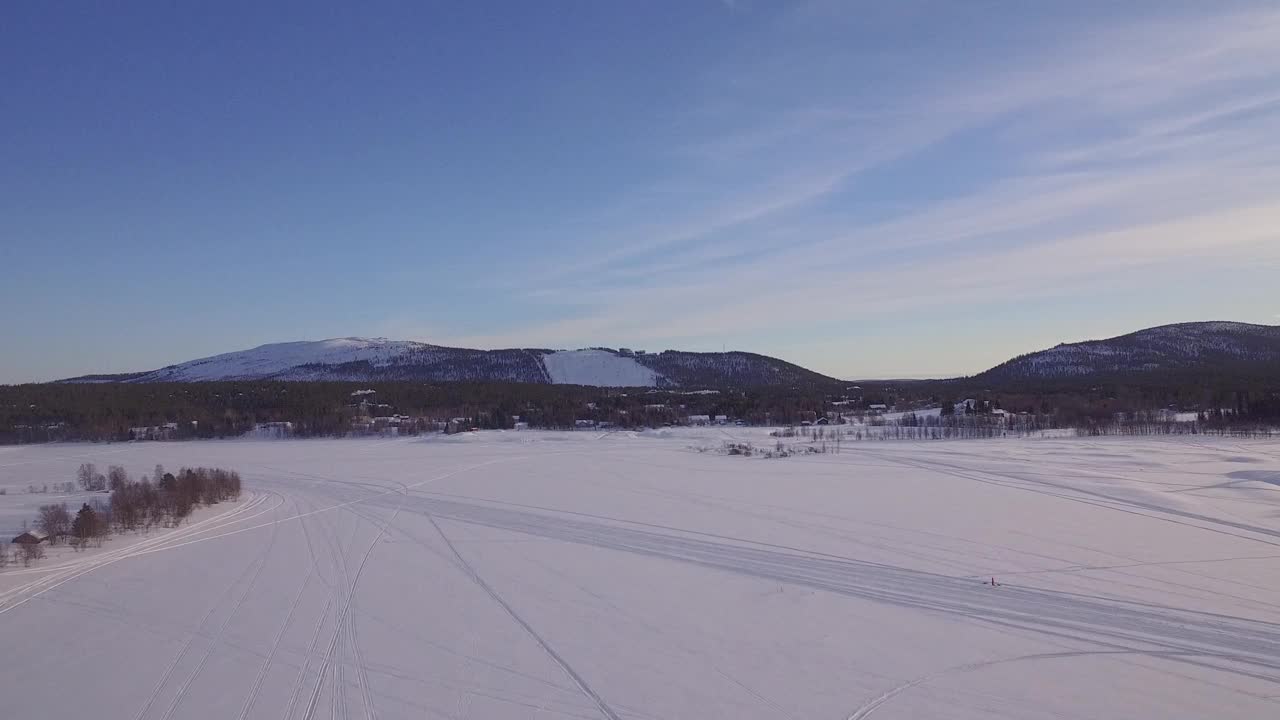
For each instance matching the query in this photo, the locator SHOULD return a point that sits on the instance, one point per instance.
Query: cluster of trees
(1249, 409)
(64, 488)
(164, 499)
(108, 410)
(1248, 400)
(912, 426)
(91, 523)
(925, 427)
(167, 499)
(1214, 422)
(780, 449)
(91, 480)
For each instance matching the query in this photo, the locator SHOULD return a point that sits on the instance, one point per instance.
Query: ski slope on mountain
(627, 575)
(597, 367)
(356, 359)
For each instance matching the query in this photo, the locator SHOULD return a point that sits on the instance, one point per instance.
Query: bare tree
(102, 530)
(55, 520)
(31, 552)
(86, 475)
(116, 477)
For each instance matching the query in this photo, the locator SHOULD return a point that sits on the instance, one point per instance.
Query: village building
(30, 537)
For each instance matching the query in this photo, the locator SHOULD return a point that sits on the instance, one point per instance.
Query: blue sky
(869, 189)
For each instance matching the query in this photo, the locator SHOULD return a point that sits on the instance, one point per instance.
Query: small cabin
(30, 537)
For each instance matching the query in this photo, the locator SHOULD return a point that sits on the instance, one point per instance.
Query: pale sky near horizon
(892, 189)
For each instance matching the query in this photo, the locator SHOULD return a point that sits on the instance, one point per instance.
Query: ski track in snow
(620, 575)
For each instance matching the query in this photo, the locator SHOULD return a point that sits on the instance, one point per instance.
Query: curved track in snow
(522, 575)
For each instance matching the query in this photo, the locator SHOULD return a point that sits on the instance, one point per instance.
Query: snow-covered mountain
(356, 358)
(361, 359)
(1184, 346)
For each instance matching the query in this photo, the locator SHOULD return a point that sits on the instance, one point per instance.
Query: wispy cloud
(1078, 163)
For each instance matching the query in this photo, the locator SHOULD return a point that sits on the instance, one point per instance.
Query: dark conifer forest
(112, 411)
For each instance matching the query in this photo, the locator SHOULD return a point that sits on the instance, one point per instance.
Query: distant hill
(1198, 348)
(1209, 347)
(746, 369)
(380, 359)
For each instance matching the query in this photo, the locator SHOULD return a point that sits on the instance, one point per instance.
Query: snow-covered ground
(624, 575)
(597, 367)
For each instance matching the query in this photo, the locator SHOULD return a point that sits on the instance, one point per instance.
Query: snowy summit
(361, 359)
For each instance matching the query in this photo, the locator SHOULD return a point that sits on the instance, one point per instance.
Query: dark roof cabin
(30, 537)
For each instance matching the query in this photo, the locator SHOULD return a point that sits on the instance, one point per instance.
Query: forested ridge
(1204, 348)
(109, 411)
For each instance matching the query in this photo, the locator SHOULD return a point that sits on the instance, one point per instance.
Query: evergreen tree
(85, 524)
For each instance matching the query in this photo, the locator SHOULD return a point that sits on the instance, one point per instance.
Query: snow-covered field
(587, 575)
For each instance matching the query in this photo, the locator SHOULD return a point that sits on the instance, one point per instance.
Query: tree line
(109, 411)
(164, 499)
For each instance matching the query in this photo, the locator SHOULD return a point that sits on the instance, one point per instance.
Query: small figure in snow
(993, 583)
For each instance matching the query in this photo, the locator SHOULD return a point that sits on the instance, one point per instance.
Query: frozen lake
(586, 575)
